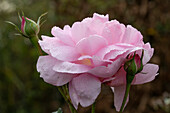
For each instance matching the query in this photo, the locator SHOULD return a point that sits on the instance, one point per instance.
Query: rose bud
(133, 65)
(29, 28)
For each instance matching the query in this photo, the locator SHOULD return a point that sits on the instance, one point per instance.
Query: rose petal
(57, 49)
(148, 74)
(48, 43)
(91, 44)
(97, 23)
(63, 35)
(73, 95)
(132, 36)
(67, 67)
(84, 90)
(45, 65)
(101, 17)
(113, 31)
(106, 50)
(79, 31)
(97, 61)
(116, 54)
(110, 70)
(119, 93)
(65, 53)
(148, 53)
(118, 79)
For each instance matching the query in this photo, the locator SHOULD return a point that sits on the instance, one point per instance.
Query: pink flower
(88, 54)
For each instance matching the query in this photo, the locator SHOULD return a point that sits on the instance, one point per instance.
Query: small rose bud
(134, 64)
(29, 28)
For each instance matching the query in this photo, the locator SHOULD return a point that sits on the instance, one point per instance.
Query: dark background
(23, 91)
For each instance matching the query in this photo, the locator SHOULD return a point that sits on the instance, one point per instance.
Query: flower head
(88, 54)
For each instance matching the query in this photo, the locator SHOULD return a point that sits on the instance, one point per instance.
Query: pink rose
(88, 54)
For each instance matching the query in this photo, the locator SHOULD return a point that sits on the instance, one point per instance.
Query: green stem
(125, 97)
(34, 40)
(93, 107)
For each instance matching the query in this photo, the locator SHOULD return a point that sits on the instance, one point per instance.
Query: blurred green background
(23, 91)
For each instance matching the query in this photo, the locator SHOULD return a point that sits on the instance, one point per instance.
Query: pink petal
(148, 53)
(110, 70)
(84, 89)
(132, 36)
(91, 44)
(57, 49)
(97, 24)
(79, 31)
(102, 18)
(97, 61)
(115, 54)
(118, 79)
(73, 95)
(106, 50)
(63, 35)
(67, 67)
(23, 25)
(65, 53)
(113, 31)
(119, 93)
(148, 74)
(45, 67)
(48, 43)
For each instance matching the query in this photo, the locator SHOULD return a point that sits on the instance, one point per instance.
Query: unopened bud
(29, 28)
(134, 64)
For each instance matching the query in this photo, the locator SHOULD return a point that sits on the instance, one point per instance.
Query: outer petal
(102, 18)
(84, 89)
(67, 67)
(113, 54)
(132, 36)
(119, 79)
(91, 44)
(119, 93)
(113, 32)
(98, 23)
(63, 35)
(49, 42)
(57, 49)
(110, 70)
(148, 52)
(149, 72)
(45, 67)
(73, 95)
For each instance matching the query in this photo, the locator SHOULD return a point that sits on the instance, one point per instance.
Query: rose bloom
(89, 53)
